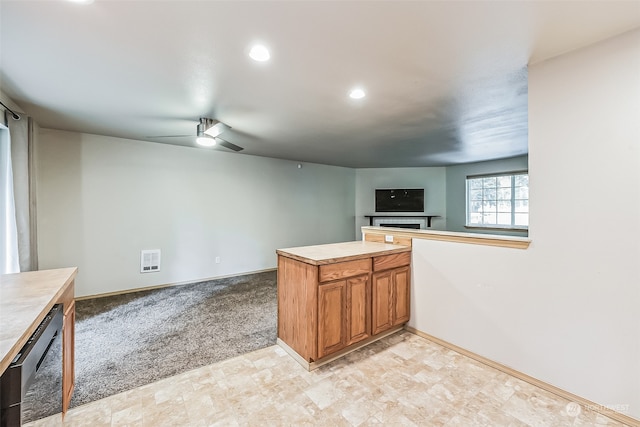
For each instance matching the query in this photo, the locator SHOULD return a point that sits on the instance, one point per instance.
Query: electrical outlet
(217, 260)
(388, 239)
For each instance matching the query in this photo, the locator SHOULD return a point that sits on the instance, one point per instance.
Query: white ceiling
(446, 81)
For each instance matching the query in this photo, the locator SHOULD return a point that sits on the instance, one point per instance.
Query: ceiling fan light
(259, 53)
(357, 93)
(206, 141)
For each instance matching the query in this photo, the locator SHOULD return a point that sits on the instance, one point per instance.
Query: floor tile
(402, 380)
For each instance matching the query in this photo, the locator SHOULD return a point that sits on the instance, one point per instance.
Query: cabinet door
(68, 344)
(382, 316)
(401, 294)
(358, 309)
(332, 319)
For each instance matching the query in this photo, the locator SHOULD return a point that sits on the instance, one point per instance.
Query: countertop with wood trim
(25, 299)
(339, 252)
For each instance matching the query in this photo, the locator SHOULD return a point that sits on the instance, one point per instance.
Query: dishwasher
(20, 374)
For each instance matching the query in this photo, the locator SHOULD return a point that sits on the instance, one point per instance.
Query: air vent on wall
(149, 260)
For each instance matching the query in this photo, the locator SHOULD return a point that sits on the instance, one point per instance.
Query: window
(498, 201)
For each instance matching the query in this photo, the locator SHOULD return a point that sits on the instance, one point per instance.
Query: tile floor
(402, 380)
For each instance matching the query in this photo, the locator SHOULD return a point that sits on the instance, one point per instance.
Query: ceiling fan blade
(227, 144)
(169, 136)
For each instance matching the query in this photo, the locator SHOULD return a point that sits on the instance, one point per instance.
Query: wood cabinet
(358, 309)
(68, 353)
(326, 304)
(390, 299)
(391, 291)
(332, 315)
(382, 302)
(344, 309)
(401, 295)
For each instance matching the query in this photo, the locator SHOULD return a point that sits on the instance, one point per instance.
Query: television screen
(400, 200)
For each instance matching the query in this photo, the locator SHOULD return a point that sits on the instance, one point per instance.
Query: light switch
(388, 239)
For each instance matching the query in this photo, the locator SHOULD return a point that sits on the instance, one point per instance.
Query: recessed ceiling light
(357, 93)
(206, 141)
(81, 1)
(259, 53)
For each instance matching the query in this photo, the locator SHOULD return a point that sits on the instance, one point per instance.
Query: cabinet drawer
(345, 269)
(391, 261)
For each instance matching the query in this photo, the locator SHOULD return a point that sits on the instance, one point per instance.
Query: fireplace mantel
(428, 217)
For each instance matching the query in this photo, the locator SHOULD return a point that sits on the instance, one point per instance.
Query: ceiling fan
(207, 134)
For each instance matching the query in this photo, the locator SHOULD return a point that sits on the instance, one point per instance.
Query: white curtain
(9, 262)
(23, 133)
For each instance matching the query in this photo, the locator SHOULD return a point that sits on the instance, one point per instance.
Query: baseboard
(291, 352)
(585, 403)
(310, 366)
(168, 285)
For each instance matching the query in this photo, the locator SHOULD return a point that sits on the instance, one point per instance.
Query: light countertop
(25, 298)
(339, 252)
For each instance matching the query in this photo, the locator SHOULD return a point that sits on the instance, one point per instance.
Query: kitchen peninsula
(335, 298)
(26, 303)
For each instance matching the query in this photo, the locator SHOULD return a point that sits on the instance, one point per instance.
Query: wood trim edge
(584, 403)
(357, 346)
(310, 366)
(514, 242)
(291, 352)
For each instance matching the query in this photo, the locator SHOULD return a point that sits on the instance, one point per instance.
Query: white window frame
(512, 225)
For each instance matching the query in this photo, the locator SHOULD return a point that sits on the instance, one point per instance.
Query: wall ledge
(401, 236)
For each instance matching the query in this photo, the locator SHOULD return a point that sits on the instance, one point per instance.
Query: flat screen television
(400, 200)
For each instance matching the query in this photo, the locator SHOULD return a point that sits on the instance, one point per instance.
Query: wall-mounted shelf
(428, 217)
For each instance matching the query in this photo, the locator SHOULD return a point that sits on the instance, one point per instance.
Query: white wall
(457, 193)
(101, 200)
(431, 179)
(566, 310)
